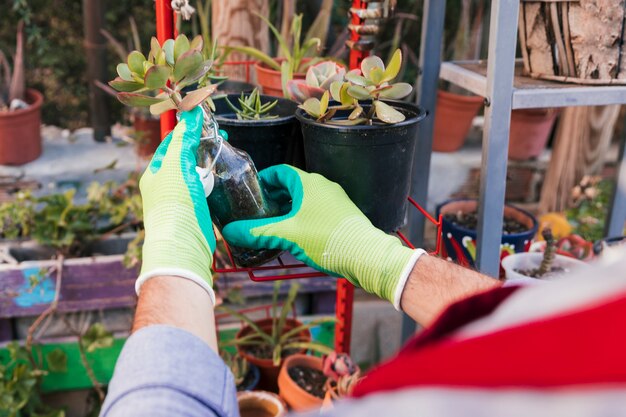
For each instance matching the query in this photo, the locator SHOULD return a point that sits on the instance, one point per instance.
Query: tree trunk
(234, 23)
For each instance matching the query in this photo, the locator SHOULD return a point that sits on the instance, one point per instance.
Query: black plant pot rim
(261, 122)
(473, 232)
(418, 115)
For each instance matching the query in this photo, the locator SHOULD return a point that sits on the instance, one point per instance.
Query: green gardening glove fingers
(326, 231)
(179, 236)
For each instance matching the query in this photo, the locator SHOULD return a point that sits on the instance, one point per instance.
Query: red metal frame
(357, 56)
(165, 18)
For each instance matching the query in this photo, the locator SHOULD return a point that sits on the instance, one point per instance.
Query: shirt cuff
(160, 357)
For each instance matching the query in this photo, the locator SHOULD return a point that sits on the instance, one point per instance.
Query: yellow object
(557, 222)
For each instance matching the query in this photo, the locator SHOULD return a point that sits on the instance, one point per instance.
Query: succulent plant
(372, 84)
(318, 79)
(12, 84)
(238, 365)
(169, 67)
(251, 107)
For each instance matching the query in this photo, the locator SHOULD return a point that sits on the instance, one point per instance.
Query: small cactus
(549, 254)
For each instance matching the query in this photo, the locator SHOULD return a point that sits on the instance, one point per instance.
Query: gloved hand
(179, 235)
(326, 231)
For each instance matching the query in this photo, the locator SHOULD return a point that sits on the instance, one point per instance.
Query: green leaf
(137, 100)
(277, 355)
(257, 330)
(393, 67)
(156, 77)
(286, 74)
(181, 46)
(96, 337)
(168, 48)
(258, 55)
(314, 346)
(125, 86)
(135, 62)
(312, 107)
(335, 90)
(324, 103)
(356, 113)
(155, 49)
(197, 43)
(356, 79)
(369, 63)
(376, 76)
(124, 72)
(397, 91)
(187, 64)
(281, 41)
(386, 113)
(358, 92)
(348, 122)
(192, 78)
(195, 98)
(57, 360)
(163, 106)
(293, 291)
(307, 326)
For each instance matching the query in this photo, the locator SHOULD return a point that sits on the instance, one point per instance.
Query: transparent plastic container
(237, 192)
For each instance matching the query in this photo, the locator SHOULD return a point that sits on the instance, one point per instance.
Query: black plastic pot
(268, 141)
(234, 87)
(373, 164)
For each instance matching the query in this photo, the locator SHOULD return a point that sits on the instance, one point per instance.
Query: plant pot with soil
(529, 132)
(301, 382)
(20, 110)
(460, 219)
(267, 342)
(246, 374)
(364, 143)
(260, 404)
(147, 133)
(453, 119)
(263, 126)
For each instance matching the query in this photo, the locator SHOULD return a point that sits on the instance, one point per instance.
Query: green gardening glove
(326, 231)
(179, 236)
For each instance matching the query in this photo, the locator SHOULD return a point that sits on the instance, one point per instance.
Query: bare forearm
(176, 302)
(434, 284)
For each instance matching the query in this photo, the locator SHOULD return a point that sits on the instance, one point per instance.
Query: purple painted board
(6, 333)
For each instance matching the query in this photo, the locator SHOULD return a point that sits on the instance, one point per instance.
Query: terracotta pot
(260, 404)
(295, 397)
(148, 132)
(270, 80)
(20, 132)
(269, 372)
(453, 120)
(530, 130)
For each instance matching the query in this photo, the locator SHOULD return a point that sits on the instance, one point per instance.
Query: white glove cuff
(404, 277)
(182, 273)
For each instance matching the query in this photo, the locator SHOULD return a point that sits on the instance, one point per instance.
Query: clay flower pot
(269, 371)
(453, 120)
(260, 404)
(20, 132)
(148, 131)
(270, 79)
(529, 133)
(296, 397)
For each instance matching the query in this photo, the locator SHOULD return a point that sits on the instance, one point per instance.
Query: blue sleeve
(165, 371)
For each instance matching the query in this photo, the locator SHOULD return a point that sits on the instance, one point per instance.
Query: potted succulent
(273, 73)
(362, 141)
(246, 374)
(459, 222)
(544, 265)
(267, 342)
(20, 110)
(263, 126)
(529, 132)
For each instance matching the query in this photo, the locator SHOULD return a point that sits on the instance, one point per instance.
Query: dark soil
(470, 221)
(266, 352)
(246, 381)
(534, 273)
(310, 380)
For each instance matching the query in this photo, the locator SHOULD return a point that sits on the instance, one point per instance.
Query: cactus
(548, 255)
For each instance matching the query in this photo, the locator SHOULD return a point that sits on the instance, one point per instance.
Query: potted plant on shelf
(20, 110)
(263, 126)
(364, 142)
(529, 132)
(267, 342)
(460, 219)
(544, 265)
(273, 73)
(246, 374)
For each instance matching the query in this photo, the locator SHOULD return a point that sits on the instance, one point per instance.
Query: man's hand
(325, 230)
(179, 236)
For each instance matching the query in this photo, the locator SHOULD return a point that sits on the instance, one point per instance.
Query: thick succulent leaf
(348, 122)
(124, 72)
(160, 58)
(336, 77)
(201, 72)
(397, 91)
(386, 113)
(135, 62)
(370, 63)
(335, 90)
(163, 106)
(155, 49)
(393, 67)
(125, 86)
(286, 74)
(312, 107)
(194, 98)
(197, 43)
(181, 46)
(312, 77)
(168, 47)
(356, 113)
(376, 76)
(187, 64)
(146, 66)
(156, 77)
(137, 100)
(358, 92)
(357, 79)
(344, 97)
(324, 102)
